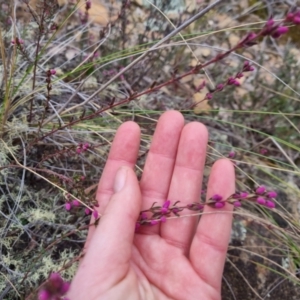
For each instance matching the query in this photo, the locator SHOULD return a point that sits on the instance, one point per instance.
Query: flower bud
(260, 190)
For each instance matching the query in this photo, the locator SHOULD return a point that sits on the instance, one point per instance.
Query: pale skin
(179, 259)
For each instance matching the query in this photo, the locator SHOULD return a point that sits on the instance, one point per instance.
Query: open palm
(180, 259)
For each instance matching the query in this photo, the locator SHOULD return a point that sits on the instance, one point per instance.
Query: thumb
(114, 235)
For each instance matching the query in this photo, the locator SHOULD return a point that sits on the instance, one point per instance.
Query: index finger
(123, 152)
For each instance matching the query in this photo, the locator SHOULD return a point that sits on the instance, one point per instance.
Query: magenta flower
(95, 214)
(235, 196)
(219, 204)
(166, 204)
(280, 31)
(75, 202)
(68, 206)
(296, 20)
(260, 190)
(65, 287)
(88, 4)
(153, 222)
(52, 72)
(56, 280)
(261, 200)
(85, 146)
(247, 67)
(263, 151)
(290, 17)
(272, 194)
(249, 40)
(239, 75)
(163, 219)
(270, 204)
(209, 96)
(175, 210)
(44, 295)
(220, 86)
(230, 80)
(164, 210)
(237, 204)
(200, 206)
(216, 197)
(270, 23)
(231, 154)
(243, 195)
(87, 211)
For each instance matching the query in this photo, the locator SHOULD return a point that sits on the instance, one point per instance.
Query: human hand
(179, 259)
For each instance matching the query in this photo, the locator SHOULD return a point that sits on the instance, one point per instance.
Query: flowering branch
(157, 213)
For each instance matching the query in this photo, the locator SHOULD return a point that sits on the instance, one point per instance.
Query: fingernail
(120, 179)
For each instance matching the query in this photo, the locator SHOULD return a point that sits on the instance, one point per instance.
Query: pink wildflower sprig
(157, 213)
(231, 81)
(250, 39)
(84, 17)
(82, 148)
(54, 288)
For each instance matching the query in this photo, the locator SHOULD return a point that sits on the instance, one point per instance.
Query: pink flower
(216, 197)
(247, 67)
(75, 202)
(164, 210)
(64, 288)
(270, 23)
(280, 31)
(209, 96)
(296, 20)
(163, 219)
(290, 17)
(261, 200)
(263, 151)
(243, 195)
(260, 190)
(68, 206)
(153, 222)
(232, 81)
(52, 72)
(219, 204)
(270, 204)
(239, 75)
(144, 216)
(85, 146)
(87, 211)
(249, 40)
(220, 86)
(88, 4)
(200, 206)
(231, 154)
(44, 295)
(167, 204)
(237, 203)
(56, 281)
(95, 214)
(272, 194)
